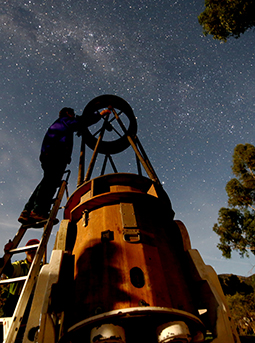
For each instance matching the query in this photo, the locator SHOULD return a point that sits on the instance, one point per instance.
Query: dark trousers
(10, 304)
(41, 199)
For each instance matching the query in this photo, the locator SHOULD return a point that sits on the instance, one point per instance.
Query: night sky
(194, 99)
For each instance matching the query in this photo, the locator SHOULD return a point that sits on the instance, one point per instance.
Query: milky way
(193, 98)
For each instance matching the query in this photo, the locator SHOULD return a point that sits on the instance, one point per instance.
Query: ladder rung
(15, 279)
(22, 249)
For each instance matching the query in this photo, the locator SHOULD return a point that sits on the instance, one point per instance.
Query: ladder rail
(21, 232)
(34, 270)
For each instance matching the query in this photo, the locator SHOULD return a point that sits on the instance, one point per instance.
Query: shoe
(38, 217)
(24, 217)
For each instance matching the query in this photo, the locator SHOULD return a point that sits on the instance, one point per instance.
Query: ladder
(31, 278)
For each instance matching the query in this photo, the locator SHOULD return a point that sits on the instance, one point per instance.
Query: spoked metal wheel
(114, 132)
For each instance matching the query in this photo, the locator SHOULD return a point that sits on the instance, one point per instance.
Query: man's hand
(104, 112)
(8, 246)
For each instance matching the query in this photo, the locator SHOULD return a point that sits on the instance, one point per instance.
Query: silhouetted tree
(226, 18)
(232, 284)
(236, 224)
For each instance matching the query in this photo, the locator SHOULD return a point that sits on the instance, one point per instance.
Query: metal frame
(141, 156)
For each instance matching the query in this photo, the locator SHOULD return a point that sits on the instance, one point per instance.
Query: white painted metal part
(108, 333)
(5, 324)
(174, 331)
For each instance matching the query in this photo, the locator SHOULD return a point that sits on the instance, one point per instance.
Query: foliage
(236, 224)
(240, 298)
(242, 309)
(226, 18)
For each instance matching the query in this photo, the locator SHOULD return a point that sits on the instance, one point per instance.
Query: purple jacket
(57, 144)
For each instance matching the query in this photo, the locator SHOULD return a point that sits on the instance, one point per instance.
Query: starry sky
(194, 99)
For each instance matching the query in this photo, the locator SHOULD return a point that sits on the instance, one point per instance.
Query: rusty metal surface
(104, 183)
(105, 271)
(130, 253)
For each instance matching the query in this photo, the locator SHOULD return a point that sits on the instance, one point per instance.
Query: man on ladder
(55, 154)
(16, 269)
